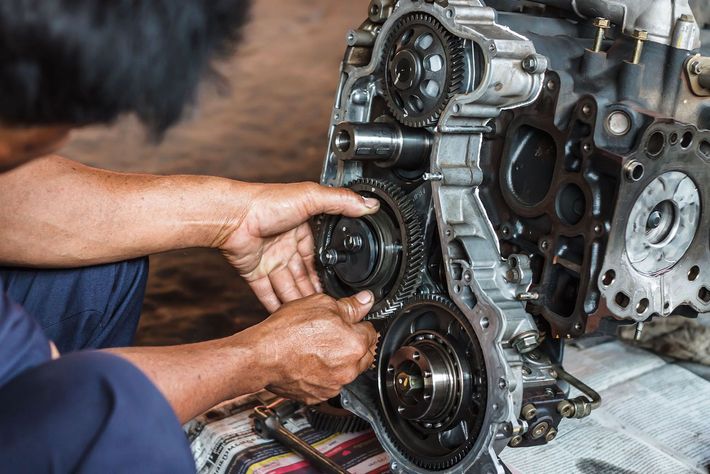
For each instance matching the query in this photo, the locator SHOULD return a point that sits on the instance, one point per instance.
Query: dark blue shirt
(23, 344)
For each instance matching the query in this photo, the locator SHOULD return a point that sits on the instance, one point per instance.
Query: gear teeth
(424, 464)
(413, 254)
(327, 418)
(456, 70)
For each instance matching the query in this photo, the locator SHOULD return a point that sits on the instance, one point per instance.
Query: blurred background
(269, 125)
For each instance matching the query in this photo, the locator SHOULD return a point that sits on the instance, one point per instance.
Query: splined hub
(382, 252)
(432, 383)
(424, 68)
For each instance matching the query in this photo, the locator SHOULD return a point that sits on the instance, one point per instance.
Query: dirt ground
(271, 126)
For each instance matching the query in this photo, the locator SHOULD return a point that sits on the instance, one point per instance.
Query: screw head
(602, 23)
(515, 441)
(552, 434)
(529, 411)
(640, 34)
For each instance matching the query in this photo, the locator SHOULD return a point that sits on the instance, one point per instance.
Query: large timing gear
(424, 68)
(382, 253)
(432, 383)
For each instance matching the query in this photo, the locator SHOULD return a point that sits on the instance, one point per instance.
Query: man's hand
(272, 246)
(315, 346)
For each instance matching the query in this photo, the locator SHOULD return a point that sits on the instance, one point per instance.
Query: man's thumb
(354, 308)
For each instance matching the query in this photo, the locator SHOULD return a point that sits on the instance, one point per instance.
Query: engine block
(542, 170)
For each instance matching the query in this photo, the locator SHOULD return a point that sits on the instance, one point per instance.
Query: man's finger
(300, 274)
(284, 285)
(366, 362)
(306, 248)
(336, 201)
(265, 293)
(354, 308)
(368, 333)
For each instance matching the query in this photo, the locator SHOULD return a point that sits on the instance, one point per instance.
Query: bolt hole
(635, 171)
(693, 273)
(704, 295)
(622, 300)
(655, 144)
(343, 141)
(485, 323)
(457, 289)
(687, 140)
(609, 278)
(673, 140)
(705, 148)
(642, 306)
(374, 9)
(449, 13)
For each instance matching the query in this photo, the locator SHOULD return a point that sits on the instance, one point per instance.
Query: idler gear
(331, 417)
(432, 383)
(382, 252)
(424, 68)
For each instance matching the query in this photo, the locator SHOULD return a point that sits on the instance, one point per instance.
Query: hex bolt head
(602, 23)
(540, 430)
(566, 409)
(529, 411)
(552, 434)
(515, 441)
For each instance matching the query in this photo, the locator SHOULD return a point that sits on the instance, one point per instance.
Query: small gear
(436, 322)
(424, 67)
(382, 253)
(331, 417)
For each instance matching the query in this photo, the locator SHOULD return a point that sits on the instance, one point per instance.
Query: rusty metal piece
(601, 24)
(640, 36)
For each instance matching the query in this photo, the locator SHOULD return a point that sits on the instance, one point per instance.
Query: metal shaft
(269, 425)
(387, 144)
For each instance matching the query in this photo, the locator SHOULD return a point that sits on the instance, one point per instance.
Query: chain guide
(382, 253)
(424, 68)
(432, 383)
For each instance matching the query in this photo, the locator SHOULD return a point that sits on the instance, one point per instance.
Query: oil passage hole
(622, 300)
(642, 306)
(673, 140)
(609, 278)
(693, 273)
(687, 140)
(655, 144)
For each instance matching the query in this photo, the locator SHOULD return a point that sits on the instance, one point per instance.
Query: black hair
(79, 62)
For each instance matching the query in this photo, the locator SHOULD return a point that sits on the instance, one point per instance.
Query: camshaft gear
(382, 252)
(432, 383)
(424, 68)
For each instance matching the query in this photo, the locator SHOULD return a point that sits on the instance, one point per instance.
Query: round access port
(663, 223)
(571, 204)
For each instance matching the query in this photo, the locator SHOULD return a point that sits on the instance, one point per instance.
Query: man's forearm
(196, 377)
(59, 213)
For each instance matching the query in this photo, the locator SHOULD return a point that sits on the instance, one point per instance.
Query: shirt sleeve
(23, 344)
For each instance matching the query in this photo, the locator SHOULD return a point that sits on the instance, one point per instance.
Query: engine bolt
(540, 429)
(552, 434)
(640, 36)
(529, 411)
(654, 220)
(566, 409)
(353, 243)
(515, 441)
(601, 24)
(331, 257)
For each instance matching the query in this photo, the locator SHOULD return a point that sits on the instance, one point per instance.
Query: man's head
(69, 63)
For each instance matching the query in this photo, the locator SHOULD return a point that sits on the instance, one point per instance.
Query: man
(73, 241)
